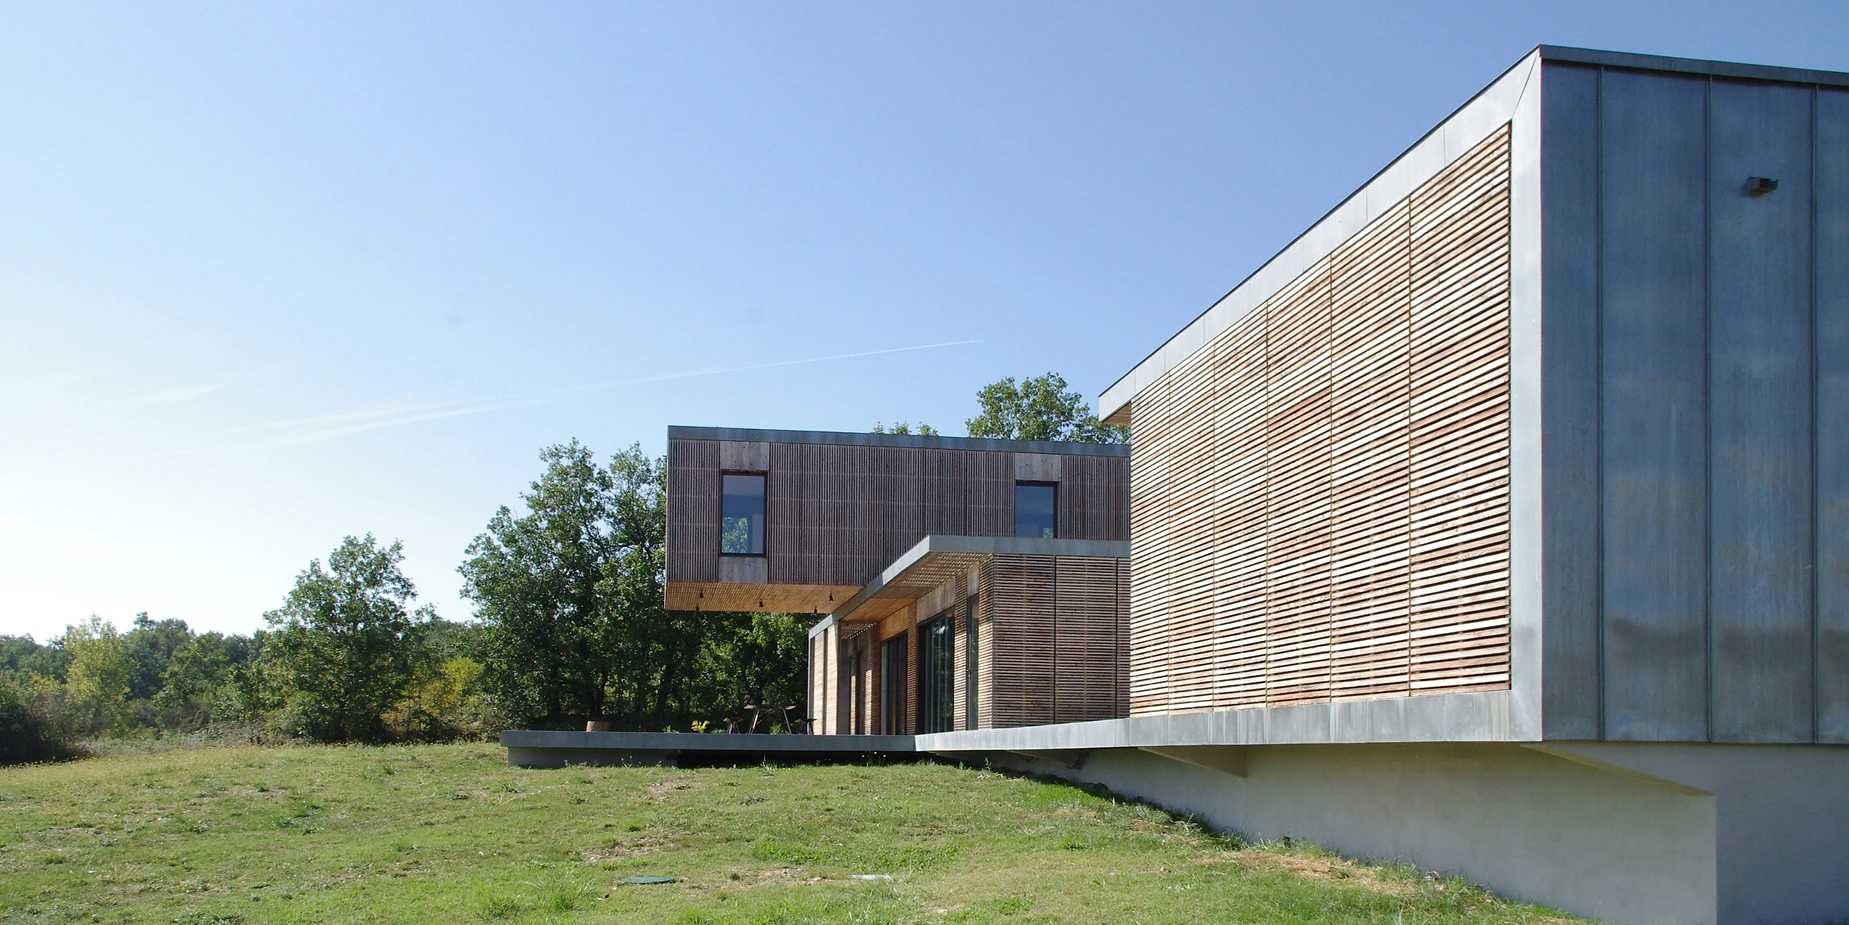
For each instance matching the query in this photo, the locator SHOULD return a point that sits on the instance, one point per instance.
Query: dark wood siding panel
(1085, 639)
(991, 493)
(900, 472)
(1022, 608)
(693, 510)
(1122, 659)
(787, 562)
(946, 492)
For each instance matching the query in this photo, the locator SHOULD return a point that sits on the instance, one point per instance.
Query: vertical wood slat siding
(946, 492)
(985, 647)
(786, 561)
(693, 510)
(1023, 625)
(1085, 649)
(1349, 442)
(1121, 662)
(837, 514)
(991, 493)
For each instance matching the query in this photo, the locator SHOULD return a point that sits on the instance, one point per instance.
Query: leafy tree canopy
(904, 427)
(1039, 408)
(346, 643)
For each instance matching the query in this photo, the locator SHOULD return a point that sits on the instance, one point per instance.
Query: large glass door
(892, 685)
(937, 642)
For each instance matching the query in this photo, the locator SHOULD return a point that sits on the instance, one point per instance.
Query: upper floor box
(798, 521)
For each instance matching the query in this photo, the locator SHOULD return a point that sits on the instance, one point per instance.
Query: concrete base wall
(1625, 833)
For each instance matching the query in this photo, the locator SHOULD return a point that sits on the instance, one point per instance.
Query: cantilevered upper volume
(800, 521)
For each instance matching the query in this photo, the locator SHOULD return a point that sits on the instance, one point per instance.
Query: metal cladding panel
(1570, 402)
(1759, 318)
(1652, 405)
(1829, 407)
(1705, 597)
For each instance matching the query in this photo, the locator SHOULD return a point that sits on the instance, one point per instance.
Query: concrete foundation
(1625, 833)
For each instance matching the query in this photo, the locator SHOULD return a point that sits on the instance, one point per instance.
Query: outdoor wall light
(1759, 186)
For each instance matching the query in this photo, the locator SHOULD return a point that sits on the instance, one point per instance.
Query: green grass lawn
(449, 833)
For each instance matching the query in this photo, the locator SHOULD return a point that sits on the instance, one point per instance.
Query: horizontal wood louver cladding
(1238, 549)
(1348, 439)
(1150, 550)
(1297, 502)
(693, 511)
(1460, 424)
(1371, 391)
(1189, 497)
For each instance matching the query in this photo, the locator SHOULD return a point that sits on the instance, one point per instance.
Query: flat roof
(842, 438)
(1166, 356)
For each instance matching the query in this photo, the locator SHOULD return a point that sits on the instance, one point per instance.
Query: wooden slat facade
(837, 513)
(1320, 495)
(1052, 646)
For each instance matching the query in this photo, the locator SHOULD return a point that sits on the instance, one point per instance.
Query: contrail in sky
(322, 427)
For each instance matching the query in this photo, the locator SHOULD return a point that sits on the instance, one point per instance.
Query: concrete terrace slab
(546, 748)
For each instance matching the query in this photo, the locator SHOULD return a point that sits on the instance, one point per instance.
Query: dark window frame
(893, 682)
(936, 680)
(1033, 483)
(765, 514)
(972, 657)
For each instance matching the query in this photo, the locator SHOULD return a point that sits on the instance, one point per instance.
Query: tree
(150, 644)
(921, 429)
(97, 680)
(566, 591)
(196, 685)
(1039, 408)
(21, 655)
(346, 643)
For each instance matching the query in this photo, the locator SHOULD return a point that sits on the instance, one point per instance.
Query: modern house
(1499, 523)
(967, 583)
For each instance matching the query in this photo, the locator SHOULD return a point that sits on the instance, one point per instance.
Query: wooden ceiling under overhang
(729, 597)
(917, 580)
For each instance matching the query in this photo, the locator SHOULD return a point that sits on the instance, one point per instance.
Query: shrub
(444, 702)
(31, 725)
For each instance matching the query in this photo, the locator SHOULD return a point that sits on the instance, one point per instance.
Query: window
(937, 640)
(892, 685)
(972, 672)
(741, 525)
(1035, 504)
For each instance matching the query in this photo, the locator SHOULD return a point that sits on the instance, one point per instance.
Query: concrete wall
(1696, 343)
(1586, 833)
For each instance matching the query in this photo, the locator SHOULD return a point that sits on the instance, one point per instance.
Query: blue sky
(274, 274)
